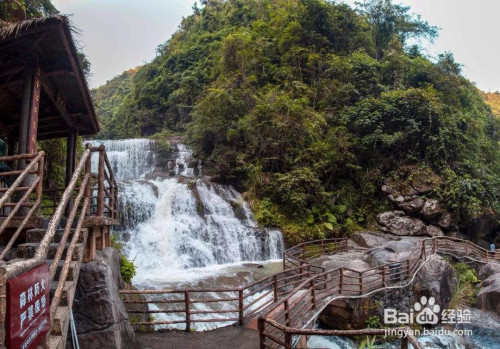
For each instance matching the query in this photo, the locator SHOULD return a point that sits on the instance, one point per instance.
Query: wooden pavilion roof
(65, 100)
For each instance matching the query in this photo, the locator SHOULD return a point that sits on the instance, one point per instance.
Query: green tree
(390, 20)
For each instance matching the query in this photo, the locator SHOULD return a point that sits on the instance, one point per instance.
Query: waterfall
(176, 225)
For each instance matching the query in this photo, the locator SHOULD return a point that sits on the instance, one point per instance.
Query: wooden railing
(20, 190)
(75, 206)
(106, 197)
(290, 301)
(287, 323)
(300, 254)
(226, 305)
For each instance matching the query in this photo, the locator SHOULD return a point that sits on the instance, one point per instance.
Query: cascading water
(182, 227)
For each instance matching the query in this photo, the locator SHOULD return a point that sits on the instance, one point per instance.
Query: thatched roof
(51, 41)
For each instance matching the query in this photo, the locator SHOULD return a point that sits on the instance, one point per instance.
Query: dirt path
(232, 337)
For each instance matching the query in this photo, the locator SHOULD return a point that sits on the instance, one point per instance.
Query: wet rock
(100, 316)
(395, 222)
(445, 221)
(348, 314)
(488, 270)
(432, 230)
(488, 297)
(413, 206)
(253, 265)
(370, 239)
(396, 198)
(436, 279)
(431, 210)
(485, 227)
(389, 252)
(170, 165)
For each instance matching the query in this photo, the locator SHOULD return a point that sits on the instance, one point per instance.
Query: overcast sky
(121, 34)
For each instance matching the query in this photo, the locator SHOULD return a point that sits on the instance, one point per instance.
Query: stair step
(56, 342)
(36, 235)
(28, 250)
(66, 291)
(72, 272)
(61, 322)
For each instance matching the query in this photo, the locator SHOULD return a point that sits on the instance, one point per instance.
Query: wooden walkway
(289, 302)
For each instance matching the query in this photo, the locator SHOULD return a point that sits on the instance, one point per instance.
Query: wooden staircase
(79, 224)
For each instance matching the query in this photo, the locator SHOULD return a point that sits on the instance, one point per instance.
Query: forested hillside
(308, 105)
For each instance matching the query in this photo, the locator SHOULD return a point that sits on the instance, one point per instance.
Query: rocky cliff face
(100, 316)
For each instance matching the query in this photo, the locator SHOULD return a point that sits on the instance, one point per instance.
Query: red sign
(28, 308)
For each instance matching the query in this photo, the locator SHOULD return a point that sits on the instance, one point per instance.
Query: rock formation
(100, 317)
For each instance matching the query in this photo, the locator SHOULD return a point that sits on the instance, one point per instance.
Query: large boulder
(412, 206)
(431, 210)
(436, 279)
(369, 239)
(100, 316)
(348, 314)
(395, 222)
(389, 252)
(488, 270)
(488, 297)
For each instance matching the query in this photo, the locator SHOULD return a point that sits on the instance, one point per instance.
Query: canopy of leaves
(309, 104)
(18, 10)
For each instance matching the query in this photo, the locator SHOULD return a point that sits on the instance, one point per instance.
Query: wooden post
(404, 343)
(313, 294)
(275, 287)
(100, 183)
(288, 340)
(360, 283)
(262, 336)
(70, 162)
(341, 279)
(240, 306)
(187, 303)
(287, 313)
(39, 189)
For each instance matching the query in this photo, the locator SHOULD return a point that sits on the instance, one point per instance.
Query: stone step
(66, 291)
(36, 235)
(72, 272)
(28, 250)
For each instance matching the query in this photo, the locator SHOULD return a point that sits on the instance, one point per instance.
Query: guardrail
(300, 254)
(225, 305)
(289, 301)
(20, 189)
(287, 323)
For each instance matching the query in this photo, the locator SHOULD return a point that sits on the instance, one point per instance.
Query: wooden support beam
(57, 100)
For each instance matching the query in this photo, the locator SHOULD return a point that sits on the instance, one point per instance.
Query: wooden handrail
(283, 309)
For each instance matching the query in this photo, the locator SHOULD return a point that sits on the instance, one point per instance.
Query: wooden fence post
(288, 340)
(262, 336)
(341, 279)
(275, 287)
(240, 306)
(187, 303)
(100, 183)
(404, 343)
(313, 294)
